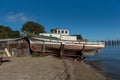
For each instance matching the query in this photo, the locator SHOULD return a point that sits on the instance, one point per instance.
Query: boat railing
(40, 36)
(94, 43)
(54, 39)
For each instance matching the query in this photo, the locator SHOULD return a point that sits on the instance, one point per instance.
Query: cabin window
(55, 31)
(58, 31)
(62, 31)
(66, 32)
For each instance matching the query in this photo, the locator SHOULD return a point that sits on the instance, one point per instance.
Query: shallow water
(109, 60)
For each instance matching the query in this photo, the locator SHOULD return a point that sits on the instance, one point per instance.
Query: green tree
(7, 32)
(33, 27)
(14, 34)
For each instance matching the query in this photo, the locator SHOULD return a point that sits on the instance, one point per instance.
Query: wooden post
(0, 61)
(43, 49)
(82, 53)
(98, 52)
(61, 50)
(7, 52)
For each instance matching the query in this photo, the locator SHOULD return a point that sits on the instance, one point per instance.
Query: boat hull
(42, 46)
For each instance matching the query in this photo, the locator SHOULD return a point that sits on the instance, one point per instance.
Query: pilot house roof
(60, 31)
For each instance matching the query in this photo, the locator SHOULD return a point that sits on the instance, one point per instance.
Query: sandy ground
(47, 68)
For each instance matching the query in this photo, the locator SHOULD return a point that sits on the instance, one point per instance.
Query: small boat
(64, 45)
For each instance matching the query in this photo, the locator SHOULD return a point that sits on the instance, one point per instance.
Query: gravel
(46, 68)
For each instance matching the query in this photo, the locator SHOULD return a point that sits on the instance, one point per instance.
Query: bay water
(108, 61)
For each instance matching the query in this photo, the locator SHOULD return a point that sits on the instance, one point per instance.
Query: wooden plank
(7, 52)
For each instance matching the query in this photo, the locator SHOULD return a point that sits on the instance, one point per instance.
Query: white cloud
(17, 17)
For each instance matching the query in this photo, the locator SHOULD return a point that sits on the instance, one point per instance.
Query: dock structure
(14, 46)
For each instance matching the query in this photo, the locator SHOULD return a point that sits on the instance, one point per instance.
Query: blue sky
(93, 19)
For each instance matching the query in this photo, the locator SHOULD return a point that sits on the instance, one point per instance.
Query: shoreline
(98, 67)
(48, 68)
(89, 72)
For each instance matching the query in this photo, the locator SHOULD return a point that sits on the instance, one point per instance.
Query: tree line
(7, 32)
(30, 26)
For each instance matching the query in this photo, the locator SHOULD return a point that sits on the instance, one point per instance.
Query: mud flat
(47, 68)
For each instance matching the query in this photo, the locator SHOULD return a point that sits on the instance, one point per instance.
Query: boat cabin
(62, 34)
(60, 31)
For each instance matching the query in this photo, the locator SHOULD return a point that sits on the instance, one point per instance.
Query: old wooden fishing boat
(61, 43)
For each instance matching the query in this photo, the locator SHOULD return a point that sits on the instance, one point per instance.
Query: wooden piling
(82, 52)
(0, 61)
(62, 50)
(43, 49)
(98, 52)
